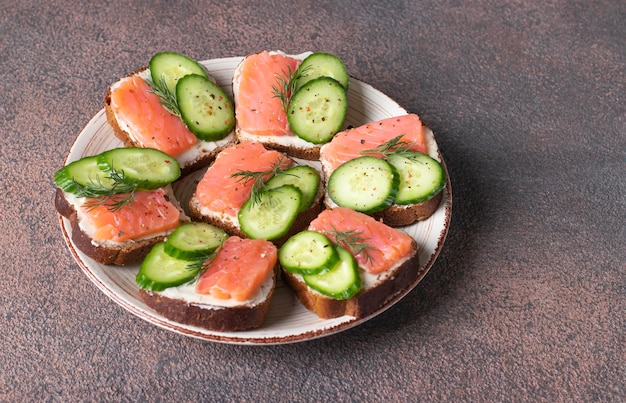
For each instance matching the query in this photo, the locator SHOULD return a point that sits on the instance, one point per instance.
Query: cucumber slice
(321, 64)
(149, 168)
(341, 282)
(159, 270)
(366, 184)
(421, 177)
(166, 68)
(194, 240)
(317, 110)
(308, 252)
(304, 177)
(205, 108)
(83, 173)
(271, 216)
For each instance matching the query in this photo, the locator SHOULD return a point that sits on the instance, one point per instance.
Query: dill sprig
(166, 97)
(202, 262)
(259, 178)
(393, 146)
(286, 85)
(113, 196)
(352, 240)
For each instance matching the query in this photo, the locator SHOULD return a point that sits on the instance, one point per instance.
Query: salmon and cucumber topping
(350, 143)
(258, 191)
(370, 184)
(380, 164)
(233, 270)
(375, 245)
(180, 258)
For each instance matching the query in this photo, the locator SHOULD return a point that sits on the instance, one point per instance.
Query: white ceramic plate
(288, 321)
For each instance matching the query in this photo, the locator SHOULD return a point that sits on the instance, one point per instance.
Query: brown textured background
(527, 299)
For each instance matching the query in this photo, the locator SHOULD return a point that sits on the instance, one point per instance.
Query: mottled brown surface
(527, 299)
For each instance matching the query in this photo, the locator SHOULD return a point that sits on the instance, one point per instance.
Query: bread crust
(399, 216)
(242, 317)
(366, 302)
(310, 153)
(126, 253)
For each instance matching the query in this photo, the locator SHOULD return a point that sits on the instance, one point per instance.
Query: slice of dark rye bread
(109, 254)
(205, 153)
(243, 316)
(375, 292)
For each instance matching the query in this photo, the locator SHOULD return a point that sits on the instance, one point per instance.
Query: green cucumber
(341, 282)
(159, 270)
(271, 214)
(308, 252)
(317, 110)
(166, 68)
(421, 177)
(83, 173)
(304, 177)
(148, 168)
(321, 64)
(194, 240)
(205, 108)
(366, 184)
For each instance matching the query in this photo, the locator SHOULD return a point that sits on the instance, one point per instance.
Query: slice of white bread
(376, 289)
(108, 252)
(198, 156)
(290, 144)
(395, 215)
(225, 312)
(231, 225)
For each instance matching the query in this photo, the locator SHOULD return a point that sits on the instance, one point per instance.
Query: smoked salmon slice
(220, 191)
(258, 110)
(139, 112)
(349, 143)
(240, 267)
(384, 245)
(149, 213)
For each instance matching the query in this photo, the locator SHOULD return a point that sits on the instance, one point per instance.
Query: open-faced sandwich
(383, 168)
(119, 202)
(174, 106)
(257, 193)
(202, 277)
(289, 104)
(352, 264)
